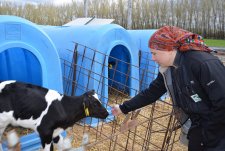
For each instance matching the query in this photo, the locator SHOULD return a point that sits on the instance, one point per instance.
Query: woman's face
(163, 58)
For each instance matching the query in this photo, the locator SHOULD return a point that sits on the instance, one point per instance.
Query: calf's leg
(46, 139)
(47, 143)
(62, 143)
(2, 129)
(58, 140)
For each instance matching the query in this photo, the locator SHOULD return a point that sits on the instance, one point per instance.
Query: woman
(195, 80)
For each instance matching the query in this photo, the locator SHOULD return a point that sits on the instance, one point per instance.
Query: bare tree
(129, 14)
(85, 8)
(172, 11)
(221, 20)
(164, 8)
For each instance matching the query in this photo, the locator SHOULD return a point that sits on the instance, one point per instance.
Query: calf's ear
(91, 92)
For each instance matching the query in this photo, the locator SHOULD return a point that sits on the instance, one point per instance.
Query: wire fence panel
(154, 128)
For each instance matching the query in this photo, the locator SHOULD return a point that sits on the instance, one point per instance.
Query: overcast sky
(56, 2)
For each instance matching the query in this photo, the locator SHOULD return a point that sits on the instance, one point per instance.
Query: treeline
(205, 17)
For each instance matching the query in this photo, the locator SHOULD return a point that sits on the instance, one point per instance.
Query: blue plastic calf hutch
(148, 68)
(28, 54)
(110, 41)
(98, 46)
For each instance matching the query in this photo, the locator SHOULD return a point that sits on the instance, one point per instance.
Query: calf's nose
(104, 114)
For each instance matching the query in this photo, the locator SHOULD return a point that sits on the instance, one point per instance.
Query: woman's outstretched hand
(116, 110)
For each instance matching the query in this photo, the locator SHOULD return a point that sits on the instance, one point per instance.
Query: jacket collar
(177, 60)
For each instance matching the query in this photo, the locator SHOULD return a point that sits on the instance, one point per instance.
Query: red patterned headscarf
(169, 38)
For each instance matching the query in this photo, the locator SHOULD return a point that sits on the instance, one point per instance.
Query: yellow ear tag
(87, 112)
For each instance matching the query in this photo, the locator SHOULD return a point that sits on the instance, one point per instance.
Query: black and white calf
(45, 111)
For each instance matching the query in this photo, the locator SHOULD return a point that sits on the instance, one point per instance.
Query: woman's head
(165, 42)
(170, 38)
(163, 58)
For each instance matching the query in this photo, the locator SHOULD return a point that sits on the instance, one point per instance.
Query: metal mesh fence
(153, 128)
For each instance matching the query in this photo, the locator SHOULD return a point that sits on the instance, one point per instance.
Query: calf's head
(93, 107)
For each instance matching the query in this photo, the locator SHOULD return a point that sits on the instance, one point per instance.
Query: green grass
(214, 43)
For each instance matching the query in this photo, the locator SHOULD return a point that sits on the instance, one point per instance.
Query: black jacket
(198, 80)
